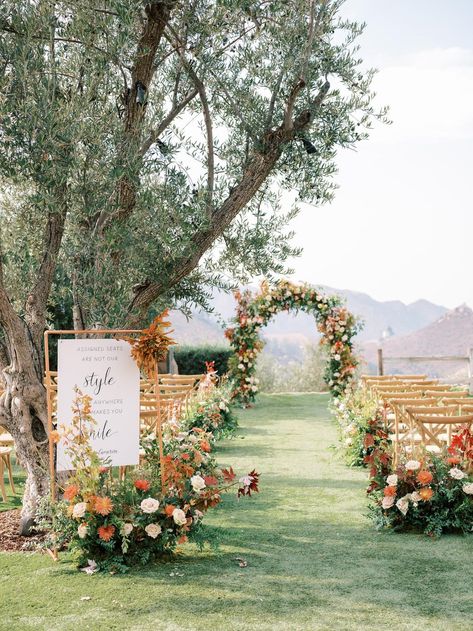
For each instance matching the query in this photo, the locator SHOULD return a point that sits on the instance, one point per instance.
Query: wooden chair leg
(10, 474)
(2, 482)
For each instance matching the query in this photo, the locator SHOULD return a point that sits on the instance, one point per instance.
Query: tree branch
(256, 173)
(157, 16)
(167, 120)
(37, 300)
(301, 82)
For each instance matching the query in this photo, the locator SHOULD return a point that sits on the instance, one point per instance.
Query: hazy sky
(401, 225)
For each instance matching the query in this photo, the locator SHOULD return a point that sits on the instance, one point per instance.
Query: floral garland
(334, 321)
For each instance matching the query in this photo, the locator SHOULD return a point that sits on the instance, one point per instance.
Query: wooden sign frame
(50, 390)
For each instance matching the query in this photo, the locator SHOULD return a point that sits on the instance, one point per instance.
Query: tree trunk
(23, 413)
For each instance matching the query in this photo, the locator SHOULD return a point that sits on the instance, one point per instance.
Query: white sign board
(104, 370)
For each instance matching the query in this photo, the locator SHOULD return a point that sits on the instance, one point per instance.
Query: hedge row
(191, 359)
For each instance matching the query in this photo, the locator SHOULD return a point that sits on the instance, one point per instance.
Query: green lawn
(314, 560)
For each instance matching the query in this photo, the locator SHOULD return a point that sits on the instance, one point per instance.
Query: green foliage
(191, 360)
(66, 84)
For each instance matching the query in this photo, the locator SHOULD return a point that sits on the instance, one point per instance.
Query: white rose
(392, 480)
(127, 528)
(412, 465)
(415, 497)
(198, 483)
(82, 531)
(337, 357)
(468, 488)
(241, 366)
(457, 474)
(153, 530)
(149, 505)
(344, 338)
(179, 517)
(387, 502)
(403, 505)
(79, 510)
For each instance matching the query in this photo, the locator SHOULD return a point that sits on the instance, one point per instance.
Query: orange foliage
(152, 345)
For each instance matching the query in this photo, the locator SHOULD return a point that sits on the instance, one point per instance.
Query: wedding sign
(104, 370)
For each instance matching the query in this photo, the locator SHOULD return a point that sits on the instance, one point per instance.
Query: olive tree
(144, 147)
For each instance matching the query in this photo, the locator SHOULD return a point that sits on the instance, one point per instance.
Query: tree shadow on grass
(328, 565)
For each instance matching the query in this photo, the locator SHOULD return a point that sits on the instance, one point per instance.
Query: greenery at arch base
(336, 324)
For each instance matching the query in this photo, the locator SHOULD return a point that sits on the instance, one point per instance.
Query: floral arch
(333, 320)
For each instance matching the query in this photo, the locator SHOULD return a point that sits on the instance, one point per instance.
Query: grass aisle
(314, 561)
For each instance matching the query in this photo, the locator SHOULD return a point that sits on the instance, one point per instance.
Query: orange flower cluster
(424, 477)
(103, 505)
(106, 532)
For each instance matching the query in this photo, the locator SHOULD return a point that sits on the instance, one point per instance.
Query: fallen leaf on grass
(241, 562)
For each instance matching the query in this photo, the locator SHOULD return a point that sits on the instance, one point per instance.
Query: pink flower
(388, 502)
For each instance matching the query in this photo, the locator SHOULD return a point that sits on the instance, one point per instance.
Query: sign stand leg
(159, 427)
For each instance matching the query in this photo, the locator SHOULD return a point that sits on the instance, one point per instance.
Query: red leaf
(210, 480)
(228, 474)
(369, 441)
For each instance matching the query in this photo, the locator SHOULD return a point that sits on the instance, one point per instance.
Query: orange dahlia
(142, 485)
(169, 510)
(390, 491)
(71, 491)
(204, 445)
(103, 505)
(426, 493)
(106, 532)
(424, 477)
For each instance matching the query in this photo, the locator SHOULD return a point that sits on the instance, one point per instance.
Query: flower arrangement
(360, 424)
(211, 411)
(333, 320)
(432, 494)
(152, 344)
(114, 524)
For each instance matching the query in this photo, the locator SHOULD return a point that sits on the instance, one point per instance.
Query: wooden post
(470, 369)
(380, 362)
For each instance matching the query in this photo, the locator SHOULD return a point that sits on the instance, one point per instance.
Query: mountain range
(380, 319)
(416, 329)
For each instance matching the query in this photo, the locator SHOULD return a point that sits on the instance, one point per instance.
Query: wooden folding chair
(5, 461)
(433, 428)
(399, 424)
(447, 394)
